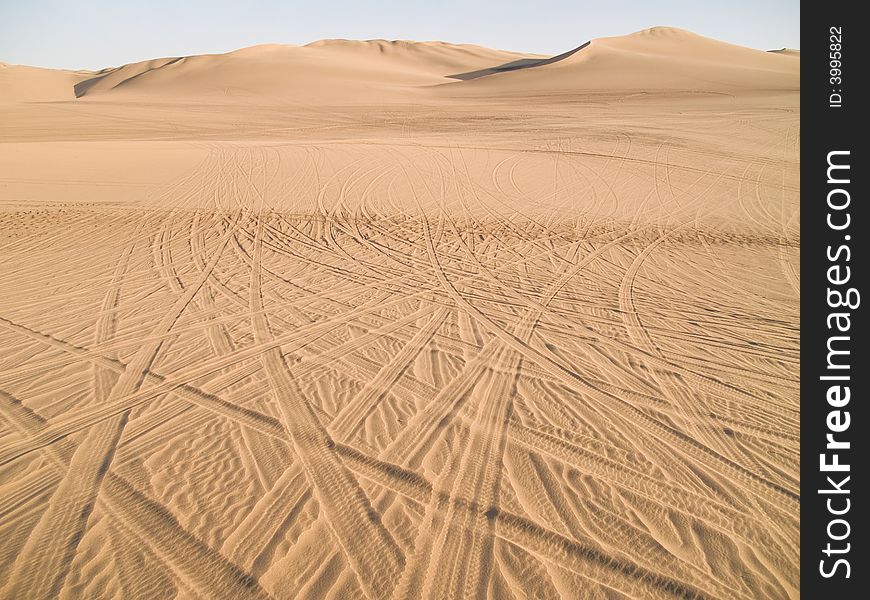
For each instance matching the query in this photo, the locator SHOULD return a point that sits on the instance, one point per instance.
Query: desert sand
(397, 320)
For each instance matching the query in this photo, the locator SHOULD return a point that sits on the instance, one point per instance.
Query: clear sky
(91, 34)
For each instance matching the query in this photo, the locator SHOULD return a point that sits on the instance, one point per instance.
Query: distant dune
(372, 70)
(20, 83)
(286, 71)
(660, 58)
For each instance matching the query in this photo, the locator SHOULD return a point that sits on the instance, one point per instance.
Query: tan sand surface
(398, 320)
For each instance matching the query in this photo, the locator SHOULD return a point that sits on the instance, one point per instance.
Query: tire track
(369, 547)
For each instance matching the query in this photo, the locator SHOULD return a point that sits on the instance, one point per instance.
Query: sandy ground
(395, 320)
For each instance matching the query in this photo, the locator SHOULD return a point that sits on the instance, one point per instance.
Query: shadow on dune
(523, 63)
(82, 87)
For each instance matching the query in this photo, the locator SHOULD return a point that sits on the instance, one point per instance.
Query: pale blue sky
(91, 34)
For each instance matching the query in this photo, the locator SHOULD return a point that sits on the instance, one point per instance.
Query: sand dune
(372, 70)
(660, 58)
(381, 71)
(31, 84)
(402, 320)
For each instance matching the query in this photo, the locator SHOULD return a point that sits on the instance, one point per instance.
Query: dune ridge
(659, 58)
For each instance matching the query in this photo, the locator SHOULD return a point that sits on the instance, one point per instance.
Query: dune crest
(396, 71)
(655, 59)
(373, 69)
(20, 83)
